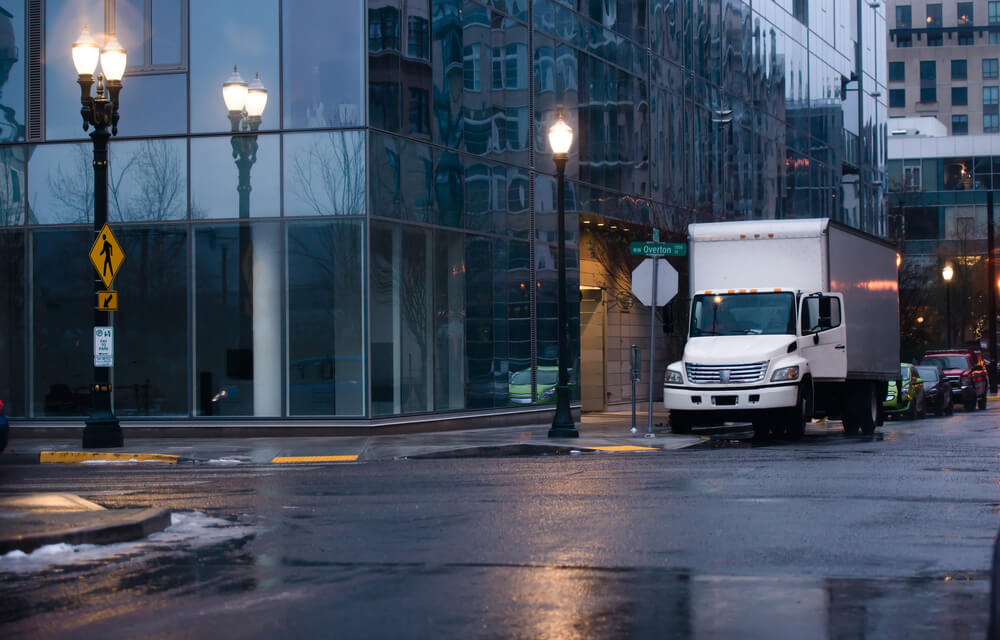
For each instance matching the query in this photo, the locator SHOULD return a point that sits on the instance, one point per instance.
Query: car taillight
(1, 407)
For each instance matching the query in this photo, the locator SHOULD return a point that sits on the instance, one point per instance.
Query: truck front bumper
(739, 400)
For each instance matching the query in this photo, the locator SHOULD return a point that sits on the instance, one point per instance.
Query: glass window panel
(221, 188)
(166, 28)
(928, 94)
(449, 183)
(959, 96)
(326, 318)
(402, 319)
(12, 172)
(64, 21)
(61, 184)
(959, 125)
(151, 338)
(897, 98)
(928, 69)
(238, 319)
(449, 320)
(12, 302)
(147, 181)
(325, 173)
(487, 385)
(965, 15)
(130, 30)
(934, 15)
(959, 70)
(323, 68)
(12, 72)
(386, 191)
(989, 68)
(226, 33)
(62, 324)
(897, 71)
(904, 15)
(153, 105)
(993, 10)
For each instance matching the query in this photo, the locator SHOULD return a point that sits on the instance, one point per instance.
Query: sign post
(635, 364)
(654, 282)
(102, 428)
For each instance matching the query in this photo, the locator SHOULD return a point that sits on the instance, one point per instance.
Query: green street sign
(657, 249)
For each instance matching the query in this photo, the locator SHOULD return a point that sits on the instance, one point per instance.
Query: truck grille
(726, 373)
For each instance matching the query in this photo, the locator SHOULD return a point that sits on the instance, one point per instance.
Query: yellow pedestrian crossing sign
(106, 255)
(107, 300)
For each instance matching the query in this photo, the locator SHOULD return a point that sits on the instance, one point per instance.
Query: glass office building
(391, 251)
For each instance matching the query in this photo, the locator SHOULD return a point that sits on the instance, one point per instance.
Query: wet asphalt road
(830, 537)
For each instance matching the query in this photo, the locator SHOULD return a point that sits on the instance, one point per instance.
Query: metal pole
(947, 289)
(992, 287)
(562, 421)
(635, 365)
(652, 346)
(101, 428)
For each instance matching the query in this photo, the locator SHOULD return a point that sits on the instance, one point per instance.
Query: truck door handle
(840, 346)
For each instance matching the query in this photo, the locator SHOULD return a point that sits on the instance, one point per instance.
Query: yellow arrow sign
(106, 255)
(107, 300)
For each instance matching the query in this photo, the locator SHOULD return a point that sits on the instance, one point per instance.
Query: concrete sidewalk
(599, 432)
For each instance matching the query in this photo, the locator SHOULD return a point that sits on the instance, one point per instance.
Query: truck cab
(768, 380)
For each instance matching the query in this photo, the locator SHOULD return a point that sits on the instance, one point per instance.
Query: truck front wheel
(800, 414)
(679, 422)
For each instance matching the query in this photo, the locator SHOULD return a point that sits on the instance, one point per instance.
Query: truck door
(822, 320)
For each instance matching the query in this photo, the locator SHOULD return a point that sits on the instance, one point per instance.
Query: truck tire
(850, 426)
(969, 400)
(800, 414)
(680, 422)
(866, 407)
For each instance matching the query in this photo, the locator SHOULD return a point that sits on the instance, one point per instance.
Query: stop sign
(666, 282)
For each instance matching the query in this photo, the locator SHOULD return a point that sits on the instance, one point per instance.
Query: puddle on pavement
(241, 592)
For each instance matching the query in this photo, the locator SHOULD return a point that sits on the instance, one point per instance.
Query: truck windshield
(743, 314)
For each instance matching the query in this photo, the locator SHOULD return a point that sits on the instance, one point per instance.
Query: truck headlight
(674, 377)
(786, 373)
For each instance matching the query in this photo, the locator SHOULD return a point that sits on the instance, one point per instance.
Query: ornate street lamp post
(246, 106)
(561, 139)
(100, 112)
(947, 273)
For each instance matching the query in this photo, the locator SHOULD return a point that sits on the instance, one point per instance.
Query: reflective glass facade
(390, 250)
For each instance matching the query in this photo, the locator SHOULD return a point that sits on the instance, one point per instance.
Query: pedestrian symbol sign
(106, 255)
(107, 300)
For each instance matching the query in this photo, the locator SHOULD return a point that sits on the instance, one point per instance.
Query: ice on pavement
(187, 530)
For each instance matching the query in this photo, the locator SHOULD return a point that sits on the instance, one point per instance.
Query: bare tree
(329, 174)
(149, 186)
(73, 187)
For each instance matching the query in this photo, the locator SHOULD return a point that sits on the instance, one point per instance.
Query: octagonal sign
(666, 282)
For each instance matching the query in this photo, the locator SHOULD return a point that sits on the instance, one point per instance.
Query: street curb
(78, 457)
(84, 457)
(527, 449)
(129, 527)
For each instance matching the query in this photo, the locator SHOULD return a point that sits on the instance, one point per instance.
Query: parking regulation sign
(104, 346)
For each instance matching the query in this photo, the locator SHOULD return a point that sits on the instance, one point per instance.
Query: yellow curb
(76, 457)
(622, 447)
(294, 459)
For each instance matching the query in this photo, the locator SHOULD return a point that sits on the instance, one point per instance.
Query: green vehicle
(911, 402)
(519, 387)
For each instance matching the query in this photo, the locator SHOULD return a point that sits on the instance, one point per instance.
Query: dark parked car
(966, 373)
(937, 390)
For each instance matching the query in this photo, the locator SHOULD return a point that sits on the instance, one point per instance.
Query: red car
(964, 369)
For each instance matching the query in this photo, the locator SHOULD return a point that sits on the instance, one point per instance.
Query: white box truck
(789, 320)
